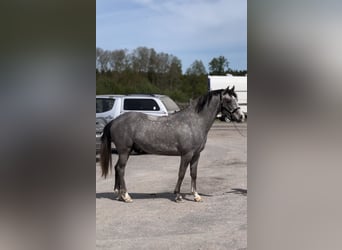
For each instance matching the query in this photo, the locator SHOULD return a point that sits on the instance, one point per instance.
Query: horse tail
(106, 150)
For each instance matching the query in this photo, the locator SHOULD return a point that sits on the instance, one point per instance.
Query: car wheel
(100, 124)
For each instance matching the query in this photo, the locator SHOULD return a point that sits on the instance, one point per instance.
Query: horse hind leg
(193, 174)
(182, 169)
(120, 185)
(117, 179)
(123, 196)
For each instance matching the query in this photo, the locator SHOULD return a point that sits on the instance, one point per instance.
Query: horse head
(230, 106)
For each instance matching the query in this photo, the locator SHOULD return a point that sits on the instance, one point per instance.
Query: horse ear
(233, 88)
(226, 90)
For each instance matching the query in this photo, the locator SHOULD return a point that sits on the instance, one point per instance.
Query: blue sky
(188, 29)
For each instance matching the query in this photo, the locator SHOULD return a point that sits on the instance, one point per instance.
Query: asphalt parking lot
(155, 221)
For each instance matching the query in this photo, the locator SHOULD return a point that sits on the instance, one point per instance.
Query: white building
(240, 83)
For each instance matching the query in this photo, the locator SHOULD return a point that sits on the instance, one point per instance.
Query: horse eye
(229, 99)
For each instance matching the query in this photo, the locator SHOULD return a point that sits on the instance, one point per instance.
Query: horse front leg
(185, 159)
(193, 174)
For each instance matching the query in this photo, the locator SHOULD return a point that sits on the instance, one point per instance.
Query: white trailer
(240, 83)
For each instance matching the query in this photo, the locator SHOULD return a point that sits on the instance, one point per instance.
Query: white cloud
(217, 27)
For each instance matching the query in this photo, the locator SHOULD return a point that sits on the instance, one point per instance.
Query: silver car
(108, 107)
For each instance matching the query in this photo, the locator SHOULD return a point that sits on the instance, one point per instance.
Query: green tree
(140, 59)
(196, 79)
(237, 72)
(102, 60)
(144, 70)
(119, 60)
(218, 66)
(196, 68)
(175, 72)
(152, 67)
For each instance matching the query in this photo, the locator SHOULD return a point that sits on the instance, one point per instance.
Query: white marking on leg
(125, 197)
(197, 197)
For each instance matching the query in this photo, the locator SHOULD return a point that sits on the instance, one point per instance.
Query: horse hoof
(198, 199)
(126, 198)
(179, 198)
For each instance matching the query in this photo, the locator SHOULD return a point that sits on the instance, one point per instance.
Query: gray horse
(183, 134)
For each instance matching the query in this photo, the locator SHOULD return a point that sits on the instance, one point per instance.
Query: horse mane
(205, 99)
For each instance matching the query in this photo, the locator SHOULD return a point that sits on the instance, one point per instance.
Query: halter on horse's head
(230, 106)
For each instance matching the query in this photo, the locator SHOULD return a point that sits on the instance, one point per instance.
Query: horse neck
(208, 115)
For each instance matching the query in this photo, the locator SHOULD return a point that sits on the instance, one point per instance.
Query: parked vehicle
(108, 107)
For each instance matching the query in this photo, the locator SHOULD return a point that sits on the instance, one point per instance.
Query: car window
(169, 104)
(140, 104)
(104, 104)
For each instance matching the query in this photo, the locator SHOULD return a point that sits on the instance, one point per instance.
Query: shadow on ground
(238, 191)
(137, 196)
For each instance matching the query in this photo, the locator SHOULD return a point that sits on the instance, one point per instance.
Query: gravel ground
(155, 221)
